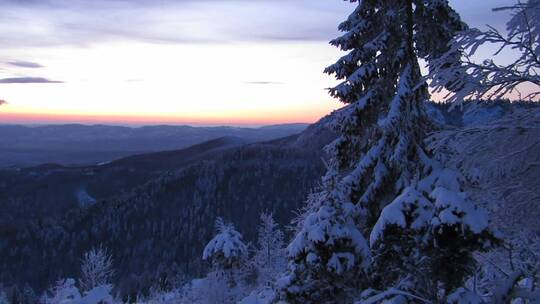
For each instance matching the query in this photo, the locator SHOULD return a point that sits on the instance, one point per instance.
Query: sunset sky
(180, 62)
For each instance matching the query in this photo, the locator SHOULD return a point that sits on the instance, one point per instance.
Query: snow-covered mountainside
(159, 229)
(53, 190)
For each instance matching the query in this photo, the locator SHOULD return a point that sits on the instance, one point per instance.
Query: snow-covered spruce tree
(226, 250)
(329, 254)
(227, 253)
(426, 237)
(379, 159)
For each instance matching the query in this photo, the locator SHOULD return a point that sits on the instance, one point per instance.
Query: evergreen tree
(227, 253)
(425, 238)
(329, 253)
(226, 250)
(380, 159)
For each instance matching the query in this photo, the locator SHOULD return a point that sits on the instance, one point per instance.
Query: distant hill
(50, 190)
(90, 144)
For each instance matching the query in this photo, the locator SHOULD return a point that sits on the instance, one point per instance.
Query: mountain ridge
(74, 144)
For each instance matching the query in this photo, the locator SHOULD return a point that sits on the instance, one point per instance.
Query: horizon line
(31, 119)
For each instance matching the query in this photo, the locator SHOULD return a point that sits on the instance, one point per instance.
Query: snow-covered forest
(393, 198)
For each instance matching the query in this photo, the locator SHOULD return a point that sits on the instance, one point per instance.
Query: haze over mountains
(76, 144)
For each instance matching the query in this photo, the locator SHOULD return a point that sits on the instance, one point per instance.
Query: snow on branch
(96, 269)
(465, 78)
(226, 247)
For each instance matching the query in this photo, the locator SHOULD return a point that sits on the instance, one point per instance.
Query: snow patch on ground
(84, 198)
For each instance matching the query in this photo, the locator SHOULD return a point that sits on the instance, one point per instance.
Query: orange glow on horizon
(249, 118)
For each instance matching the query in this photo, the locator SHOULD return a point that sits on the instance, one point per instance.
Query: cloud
(27, 80)
(83, 23)
(37, 23)
(263, 82)
(25, 64)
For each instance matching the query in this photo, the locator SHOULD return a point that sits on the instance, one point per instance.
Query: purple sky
(83, 22)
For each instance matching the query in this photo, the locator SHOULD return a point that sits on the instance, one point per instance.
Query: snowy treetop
(227, 243)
